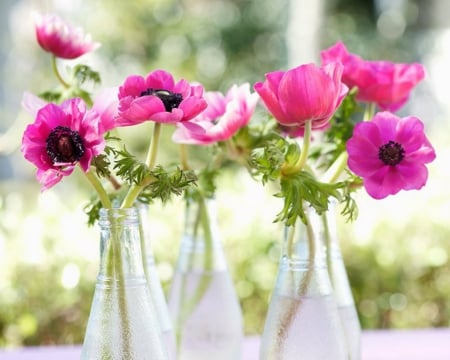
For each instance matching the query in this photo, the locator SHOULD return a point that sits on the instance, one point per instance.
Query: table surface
(423, 344)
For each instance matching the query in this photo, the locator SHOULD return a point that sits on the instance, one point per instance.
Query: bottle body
(341, 285)
(303, 320)
(122, 323)
(203, 303)
(154, 283)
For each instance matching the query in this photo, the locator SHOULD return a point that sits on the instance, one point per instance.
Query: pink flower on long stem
(158, 98)
(390, 154)
(61, 137)
(384, 83)
(61, 39)
(304, 93)
(223, 117)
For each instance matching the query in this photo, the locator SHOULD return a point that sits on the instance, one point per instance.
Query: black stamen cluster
(170, 99)
(391, 153)
(64, 145)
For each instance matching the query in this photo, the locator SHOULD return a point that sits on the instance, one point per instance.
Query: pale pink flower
(158, 98)
(390, 154)
(304, 93)
(223, 117)
(384, 83)
(61, 39)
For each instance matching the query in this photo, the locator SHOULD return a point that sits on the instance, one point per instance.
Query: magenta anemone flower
(384, 83)
(61, 39)
(61, 137)
(223, 117)
(390, 154)
(304, 93)
(158, 98)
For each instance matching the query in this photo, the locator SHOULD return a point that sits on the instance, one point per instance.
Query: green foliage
(301, 190)
(165, 183)
(80, 74)
(83, 73)
(92, 210)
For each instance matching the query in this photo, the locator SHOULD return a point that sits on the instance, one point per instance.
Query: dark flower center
(170, 99)
(391, 153)
(64, 145)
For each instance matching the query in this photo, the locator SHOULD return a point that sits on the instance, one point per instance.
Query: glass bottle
(156, 290)
(341, 286)
(122, 323)
(303, 320)
(202, 301)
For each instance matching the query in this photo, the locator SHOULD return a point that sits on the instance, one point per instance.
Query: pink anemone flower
(390, 154)
(61, 137)
(304, 93)
(158, 98)
(223, 117)
(384, 83)
(61, 39)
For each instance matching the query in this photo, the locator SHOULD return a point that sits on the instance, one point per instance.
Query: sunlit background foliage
(397, 252)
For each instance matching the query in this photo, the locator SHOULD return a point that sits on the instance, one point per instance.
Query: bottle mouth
(118, 216)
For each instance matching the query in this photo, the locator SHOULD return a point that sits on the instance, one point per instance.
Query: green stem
(57, 73)
(153, 149)
(103, 195)
(336, 168)
(122, 295)
(288, 316)
(304, 153)
(184, 157)
(327, 240)
(369, 112)
(150, 161)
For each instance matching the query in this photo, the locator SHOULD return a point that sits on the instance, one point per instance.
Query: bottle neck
(201, 224)
(303, 245)
(328, 230)
(120, 245)
(201, 237)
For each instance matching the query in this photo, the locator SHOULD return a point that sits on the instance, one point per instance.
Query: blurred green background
(397, 252)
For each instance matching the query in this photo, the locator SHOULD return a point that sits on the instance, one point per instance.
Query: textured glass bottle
(303, 320)
(202, 300)
(341, 286)
(156, 290)
(122, 323)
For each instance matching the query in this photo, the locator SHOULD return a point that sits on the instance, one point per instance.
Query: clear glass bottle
(303, 320)
(202, 301)
(156, 290)
(122, 323)
(341, 286)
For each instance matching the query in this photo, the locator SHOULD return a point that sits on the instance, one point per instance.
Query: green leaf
(53, 96)
(82, 73)
(165, 184)
(300, 190)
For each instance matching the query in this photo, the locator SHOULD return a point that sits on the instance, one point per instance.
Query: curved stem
(289, 313)
(299, 165)
(103, 195)
(336, 168)
(150, 161)
(153, 149)
(57, 73)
